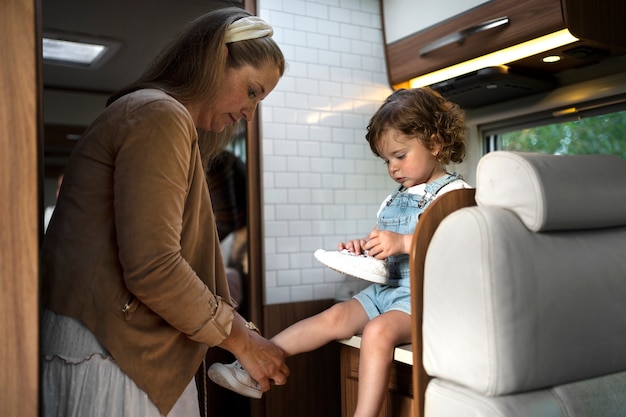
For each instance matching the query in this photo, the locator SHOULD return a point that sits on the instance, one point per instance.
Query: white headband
(250, 27)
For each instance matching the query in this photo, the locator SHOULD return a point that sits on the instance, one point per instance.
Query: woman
(134, 288)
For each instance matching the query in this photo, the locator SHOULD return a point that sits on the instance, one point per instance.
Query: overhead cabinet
(467, 29)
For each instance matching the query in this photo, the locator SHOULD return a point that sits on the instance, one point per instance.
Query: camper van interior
(529, 317)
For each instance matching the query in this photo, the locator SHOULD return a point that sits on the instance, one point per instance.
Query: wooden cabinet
(399, 400)
(313, 386)
(474, 32)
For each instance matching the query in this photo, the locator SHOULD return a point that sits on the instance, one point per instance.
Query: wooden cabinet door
(526, 20)
(399, 398)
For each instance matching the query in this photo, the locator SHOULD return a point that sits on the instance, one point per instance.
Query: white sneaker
(234, 378)
(360, 266)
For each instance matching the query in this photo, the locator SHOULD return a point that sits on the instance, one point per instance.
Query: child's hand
(383, 243)
(355, 246)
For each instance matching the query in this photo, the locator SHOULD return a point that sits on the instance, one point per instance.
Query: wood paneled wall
(313, 388)
(19, 209)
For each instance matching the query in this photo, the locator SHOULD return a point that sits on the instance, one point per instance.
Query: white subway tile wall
(322, 184)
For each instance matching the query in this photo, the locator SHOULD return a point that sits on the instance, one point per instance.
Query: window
(591, 129)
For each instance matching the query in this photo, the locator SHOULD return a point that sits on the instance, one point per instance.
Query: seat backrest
(555, 192)
(441, 207)
(527, 290)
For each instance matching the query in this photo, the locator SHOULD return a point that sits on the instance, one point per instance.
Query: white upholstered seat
(524, 304)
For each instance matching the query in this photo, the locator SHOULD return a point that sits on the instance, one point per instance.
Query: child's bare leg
(380, 337)
(341, 321)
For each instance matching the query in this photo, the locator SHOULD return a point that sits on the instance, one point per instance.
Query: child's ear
(436, 145)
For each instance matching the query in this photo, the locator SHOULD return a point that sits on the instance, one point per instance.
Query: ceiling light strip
(501, 57)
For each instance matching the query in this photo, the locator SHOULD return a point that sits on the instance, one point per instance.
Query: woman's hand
(265, 363)
(261, 358)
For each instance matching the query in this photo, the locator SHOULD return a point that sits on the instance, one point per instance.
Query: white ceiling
(142, 27)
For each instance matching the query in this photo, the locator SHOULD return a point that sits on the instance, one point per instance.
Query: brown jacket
(132, 249)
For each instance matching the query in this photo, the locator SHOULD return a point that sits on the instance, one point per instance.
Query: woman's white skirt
(80, 378)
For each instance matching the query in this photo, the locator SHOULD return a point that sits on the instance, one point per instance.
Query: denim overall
(400, 215)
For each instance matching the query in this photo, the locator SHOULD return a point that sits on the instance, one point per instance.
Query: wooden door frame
(255, 210)
(20, 224)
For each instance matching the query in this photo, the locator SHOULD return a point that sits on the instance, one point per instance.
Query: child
(417, 133)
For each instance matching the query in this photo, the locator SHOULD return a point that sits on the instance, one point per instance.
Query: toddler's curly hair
(424, 114)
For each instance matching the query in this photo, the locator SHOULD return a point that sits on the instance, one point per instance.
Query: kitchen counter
(402, 354)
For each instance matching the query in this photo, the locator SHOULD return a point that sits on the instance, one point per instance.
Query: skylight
(86, 53)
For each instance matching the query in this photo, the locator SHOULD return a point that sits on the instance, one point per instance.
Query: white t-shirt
(420, 189)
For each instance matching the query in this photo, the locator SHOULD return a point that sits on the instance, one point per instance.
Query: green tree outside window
(605, 134)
